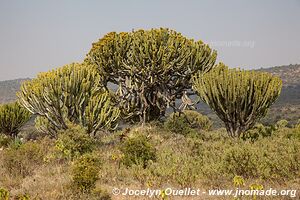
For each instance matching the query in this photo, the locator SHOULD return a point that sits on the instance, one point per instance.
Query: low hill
(8, 90)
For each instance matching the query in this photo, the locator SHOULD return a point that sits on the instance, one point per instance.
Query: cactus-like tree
(69, 94)
(240, 98)
(12, 118)
(152, 68)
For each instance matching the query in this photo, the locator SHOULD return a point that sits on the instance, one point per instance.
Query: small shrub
(74, 142)
(240, 160)
(184, 123)
(137, 150)
(280, 158)
(294, 133)
(4, 194)
(23, 160)
(85, 172)
(259, 130)
(5, 140)
(178, 125)
(238, 181)
(16, 143)
(23, 197)
(101, 194)
(282, 123)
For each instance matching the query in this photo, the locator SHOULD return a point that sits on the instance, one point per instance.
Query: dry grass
(176, 167)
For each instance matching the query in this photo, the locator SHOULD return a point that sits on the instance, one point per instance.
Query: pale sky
(38, 35)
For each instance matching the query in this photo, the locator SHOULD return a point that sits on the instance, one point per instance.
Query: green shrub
(22, 160)
(293, 133)
(5, 140)
(279, 158)
(74, 142)
(240, 160)
(85, 172)
(23, 197)
(12, 118)
(282, 123)
(259, 130)
(178, 125)
(138, 150)
(184, 123)
(4, 194)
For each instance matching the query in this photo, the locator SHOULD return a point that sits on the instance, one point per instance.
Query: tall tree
(240, 98)
(152, 68)
(72, 93)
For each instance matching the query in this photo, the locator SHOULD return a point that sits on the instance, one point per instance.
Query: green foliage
(240, 160)
(238, 181)
(187, 122)
(22, 161)
(5, 140)
(240, 98)
(152, 68)
(138, 150)
(294, 133)
(178, 125)
(259, 130)
(12, 118)
(23, 197)
(282, 123)
(43, 125)
(85, 172)
(4, 194)
(70, 94)
(74, 142)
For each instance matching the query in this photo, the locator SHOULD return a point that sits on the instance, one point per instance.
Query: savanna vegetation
(89, 138)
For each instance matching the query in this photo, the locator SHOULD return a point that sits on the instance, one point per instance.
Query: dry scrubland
(76, 150)
(151, 156)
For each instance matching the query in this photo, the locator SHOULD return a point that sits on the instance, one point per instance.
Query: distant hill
(8, 90)
(288, 104)
(286, 107)
(289, 74)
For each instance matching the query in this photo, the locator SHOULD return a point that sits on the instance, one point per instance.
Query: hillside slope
(8, 90)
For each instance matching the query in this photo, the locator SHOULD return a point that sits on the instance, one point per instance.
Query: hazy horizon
(37, 35)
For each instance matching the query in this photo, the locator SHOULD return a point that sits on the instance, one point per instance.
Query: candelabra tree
(152, 68)
(12, 118)
(239, 97)
(72, 93)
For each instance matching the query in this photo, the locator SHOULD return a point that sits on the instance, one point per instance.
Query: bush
(279, 158)
(259, 130)
(137, 150)
(282, 123)
(74, 142)
(4, 194)
(23, 197)
(185, 122)
(12, 118)
(241, 160)
(22, 160)
(5, 140)
(85, 172)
